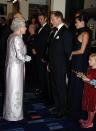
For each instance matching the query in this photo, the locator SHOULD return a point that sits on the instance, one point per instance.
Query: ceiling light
(14, 1)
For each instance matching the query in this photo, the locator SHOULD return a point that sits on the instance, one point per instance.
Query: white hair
(17, 23)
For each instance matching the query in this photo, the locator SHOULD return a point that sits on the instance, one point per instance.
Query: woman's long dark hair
(83, 17)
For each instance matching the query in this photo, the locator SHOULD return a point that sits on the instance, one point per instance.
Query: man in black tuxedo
(59, 52)
(5, 31)
(39, 49)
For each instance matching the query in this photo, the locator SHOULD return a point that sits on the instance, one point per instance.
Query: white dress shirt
(59, 27)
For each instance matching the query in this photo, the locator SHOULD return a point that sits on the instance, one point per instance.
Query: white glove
(28, 58)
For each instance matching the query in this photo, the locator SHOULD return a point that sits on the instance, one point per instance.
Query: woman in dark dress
(29, 40)
(79, 62)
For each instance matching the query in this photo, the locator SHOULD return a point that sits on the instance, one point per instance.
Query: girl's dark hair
(82, 17)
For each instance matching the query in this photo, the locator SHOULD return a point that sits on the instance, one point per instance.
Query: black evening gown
(75, 91)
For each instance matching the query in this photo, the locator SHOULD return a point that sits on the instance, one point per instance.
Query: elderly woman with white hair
(15, 66)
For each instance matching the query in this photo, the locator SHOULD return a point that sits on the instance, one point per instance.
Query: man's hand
(34, 52)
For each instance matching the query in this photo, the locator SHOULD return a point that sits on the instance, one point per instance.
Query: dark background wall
(72, 6)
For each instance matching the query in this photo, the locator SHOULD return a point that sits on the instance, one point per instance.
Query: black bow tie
(55, 29)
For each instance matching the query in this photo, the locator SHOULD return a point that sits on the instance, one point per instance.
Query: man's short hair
(57, 14)
(42, 14)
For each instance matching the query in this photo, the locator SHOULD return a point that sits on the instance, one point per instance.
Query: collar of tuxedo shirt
(42, 27)
(44, 24)
(59, 26)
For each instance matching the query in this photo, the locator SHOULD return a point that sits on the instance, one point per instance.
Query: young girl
(89, 92)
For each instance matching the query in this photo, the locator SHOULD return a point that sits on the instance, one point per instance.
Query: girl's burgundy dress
(89, 93)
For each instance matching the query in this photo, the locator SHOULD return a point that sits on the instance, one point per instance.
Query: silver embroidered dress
(15, 61)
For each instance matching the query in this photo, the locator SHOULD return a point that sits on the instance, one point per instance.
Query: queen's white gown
(15, 68)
